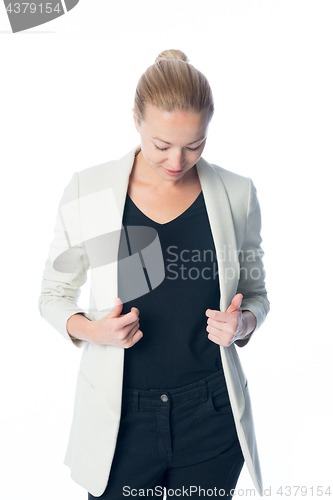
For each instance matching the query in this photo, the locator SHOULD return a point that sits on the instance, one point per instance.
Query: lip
(173, 172)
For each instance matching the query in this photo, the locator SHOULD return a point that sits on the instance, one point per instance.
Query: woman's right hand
(116, 329)
(113, 329)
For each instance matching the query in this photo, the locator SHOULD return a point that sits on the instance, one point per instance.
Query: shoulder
(238, 188)
(110, 174)
(231, 180)
(94, 178)
(85, 182)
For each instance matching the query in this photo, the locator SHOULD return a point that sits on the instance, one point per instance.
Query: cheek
(152, 156)
(148, 151)
(156, 156)
(193, 156)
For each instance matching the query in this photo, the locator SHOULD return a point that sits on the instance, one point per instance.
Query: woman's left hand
(226, 328)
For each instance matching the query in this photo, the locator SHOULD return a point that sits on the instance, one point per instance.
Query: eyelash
(164, 149)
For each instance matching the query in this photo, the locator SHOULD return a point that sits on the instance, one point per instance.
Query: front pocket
(86, 378)
(219, 400)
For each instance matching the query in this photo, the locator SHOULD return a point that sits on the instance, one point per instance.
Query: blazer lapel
(221, 221)
(119, 177)
(222, 227)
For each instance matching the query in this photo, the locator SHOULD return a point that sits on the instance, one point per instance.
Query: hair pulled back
(173, 84)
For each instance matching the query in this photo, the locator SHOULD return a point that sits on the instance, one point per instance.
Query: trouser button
(164, 398)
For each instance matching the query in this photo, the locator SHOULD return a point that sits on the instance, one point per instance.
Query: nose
(178, 160)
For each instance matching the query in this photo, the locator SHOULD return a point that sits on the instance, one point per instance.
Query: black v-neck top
(174, 350)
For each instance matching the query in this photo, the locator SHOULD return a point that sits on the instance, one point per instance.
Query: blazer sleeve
(252, 274)
(66, 267)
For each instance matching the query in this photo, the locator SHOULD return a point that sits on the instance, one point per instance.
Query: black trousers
(181, 442)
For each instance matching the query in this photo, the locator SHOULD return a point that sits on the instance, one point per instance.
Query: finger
(214, 314)
(134, 313)
(229, 326)
(117, 308)
(128, 318)
(226, 330)
(126, 323)
(235, 303)
(225, 342)
(136, 336)
(218, 316)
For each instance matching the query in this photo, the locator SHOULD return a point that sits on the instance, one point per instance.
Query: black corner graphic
(26, 15)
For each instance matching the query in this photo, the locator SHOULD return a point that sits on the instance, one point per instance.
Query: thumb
(235, 303)
(117, 308)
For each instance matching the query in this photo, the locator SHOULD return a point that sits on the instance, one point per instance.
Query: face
(172, 143)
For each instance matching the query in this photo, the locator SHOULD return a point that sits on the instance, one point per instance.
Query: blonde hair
(172, 83)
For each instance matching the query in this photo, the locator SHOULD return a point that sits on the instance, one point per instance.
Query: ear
(136, 121)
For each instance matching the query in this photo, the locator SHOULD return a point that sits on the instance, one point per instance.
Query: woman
(173, 244)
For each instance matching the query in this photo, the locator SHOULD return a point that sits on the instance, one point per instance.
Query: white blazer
(92, 206)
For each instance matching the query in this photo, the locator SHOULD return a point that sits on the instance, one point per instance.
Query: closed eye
(164, 149)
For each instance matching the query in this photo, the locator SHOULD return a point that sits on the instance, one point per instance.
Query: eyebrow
(199, 140)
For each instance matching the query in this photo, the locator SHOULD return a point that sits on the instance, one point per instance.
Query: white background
(66, 97)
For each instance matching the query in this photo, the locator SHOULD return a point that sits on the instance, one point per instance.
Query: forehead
(175, 122)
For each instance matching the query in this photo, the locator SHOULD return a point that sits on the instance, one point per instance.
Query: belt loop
(204, 390)
(136, 396)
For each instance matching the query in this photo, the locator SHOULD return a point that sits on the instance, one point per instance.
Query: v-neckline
(170, 221)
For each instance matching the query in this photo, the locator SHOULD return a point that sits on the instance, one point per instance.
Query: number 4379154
(32, 8)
